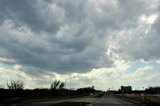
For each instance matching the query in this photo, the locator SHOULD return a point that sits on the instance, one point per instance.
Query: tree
(61, 86)
(15, 84)
(57, 85)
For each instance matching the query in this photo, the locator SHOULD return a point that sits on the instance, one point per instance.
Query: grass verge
(147, 99)
(71, 104)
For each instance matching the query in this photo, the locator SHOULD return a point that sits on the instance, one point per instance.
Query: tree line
(15, 88)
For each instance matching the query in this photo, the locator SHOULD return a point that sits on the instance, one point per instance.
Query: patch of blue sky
(135, 65)
(6, 66)
(155, 65)
(138, 64)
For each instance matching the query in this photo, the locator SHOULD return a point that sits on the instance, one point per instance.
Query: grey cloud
(29, 13)
(63, 36)
(57, 55)
(137, 44)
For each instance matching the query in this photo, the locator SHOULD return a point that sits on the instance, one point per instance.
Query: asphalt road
(48, 103)
(109, 100)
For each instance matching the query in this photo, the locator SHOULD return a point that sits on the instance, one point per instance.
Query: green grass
(70, 104)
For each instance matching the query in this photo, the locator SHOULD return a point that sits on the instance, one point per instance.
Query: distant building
(126, 89)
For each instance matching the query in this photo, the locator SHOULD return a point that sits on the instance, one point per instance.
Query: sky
(100, 43)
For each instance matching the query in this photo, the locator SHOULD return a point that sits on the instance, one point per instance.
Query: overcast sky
(105, 43)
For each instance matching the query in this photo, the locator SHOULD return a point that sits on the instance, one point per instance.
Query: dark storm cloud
(64, 36)
(31, 13)
(33, 38)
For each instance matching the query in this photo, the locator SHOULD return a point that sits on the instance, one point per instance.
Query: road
(48, 103)
(109, 100)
